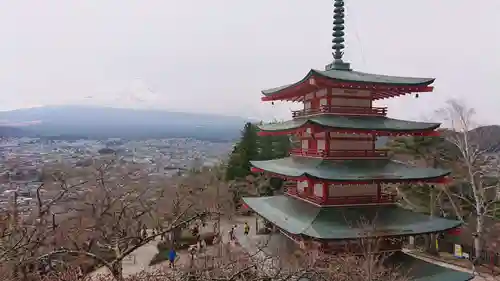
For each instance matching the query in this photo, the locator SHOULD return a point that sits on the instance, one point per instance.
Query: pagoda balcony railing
(290, 187)
(341, 110)
(384, 198)
(361, 199)
(384, 245)
(340, 154)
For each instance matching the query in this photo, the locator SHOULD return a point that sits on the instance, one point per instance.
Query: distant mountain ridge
(9, 131)
(489, 137)
(102, 122)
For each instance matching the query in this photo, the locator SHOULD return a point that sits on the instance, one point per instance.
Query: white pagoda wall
(335, 100)
(355, 142)
(337, 97)
(337, 190)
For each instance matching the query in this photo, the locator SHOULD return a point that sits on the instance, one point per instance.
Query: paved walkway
(139, 259)
(136, 262)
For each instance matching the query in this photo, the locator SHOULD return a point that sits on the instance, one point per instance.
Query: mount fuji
(88, 121)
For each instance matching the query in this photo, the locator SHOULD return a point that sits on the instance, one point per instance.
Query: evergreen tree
(272, 147)
(266, 145)
(282, 146)
(243, 152)
(254, 147)
(234, 168)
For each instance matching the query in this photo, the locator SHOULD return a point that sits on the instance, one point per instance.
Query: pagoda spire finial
(338, 38)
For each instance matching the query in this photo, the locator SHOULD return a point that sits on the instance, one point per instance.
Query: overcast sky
(216, 55)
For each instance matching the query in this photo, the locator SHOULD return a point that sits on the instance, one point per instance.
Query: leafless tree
(107, 220)
(478, 170)
(28, 231)
(101, 219)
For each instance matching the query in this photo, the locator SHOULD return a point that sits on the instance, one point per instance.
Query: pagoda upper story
(338, 120)
(335, 159)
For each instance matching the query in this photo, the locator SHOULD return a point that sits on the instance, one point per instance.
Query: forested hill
(488, 137)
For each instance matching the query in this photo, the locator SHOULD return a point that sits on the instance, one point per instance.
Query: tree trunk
(176, 232)
(256, 224)
(117, 271)
(431, 245)
(478, 246)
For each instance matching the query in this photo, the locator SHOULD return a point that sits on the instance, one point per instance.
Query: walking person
(172, 255)
(192, 253)
(195, 231)
(231, 234)
(246, 229)
(79, 273)
(203, 244)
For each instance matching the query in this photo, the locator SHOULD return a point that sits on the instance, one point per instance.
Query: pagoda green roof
(301, 218)
(356, 77)
(362, 123)
(416, 269)
(348, 170)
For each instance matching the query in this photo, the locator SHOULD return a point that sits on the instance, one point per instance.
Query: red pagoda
(336, 176)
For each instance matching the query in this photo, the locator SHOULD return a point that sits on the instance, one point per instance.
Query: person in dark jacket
(172, 255)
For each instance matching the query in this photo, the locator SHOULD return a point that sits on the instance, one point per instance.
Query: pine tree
(282, 146)
(254, 147)
(243, 152)
(266, 147)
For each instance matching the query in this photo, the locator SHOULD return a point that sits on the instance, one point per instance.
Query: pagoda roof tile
(346, 222)
(356, 77)
(348, 170)
(368, 123)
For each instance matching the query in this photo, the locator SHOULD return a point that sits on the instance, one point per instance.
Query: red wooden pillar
(325, 192)
(310, 186)
(378, 192)
(327, 143)
(315, 103)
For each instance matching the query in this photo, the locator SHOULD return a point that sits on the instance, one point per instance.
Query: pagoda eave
(314, 81)
(373, 125)
(349, 171)
(336, 223)
(423, 133)
(444, 179)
